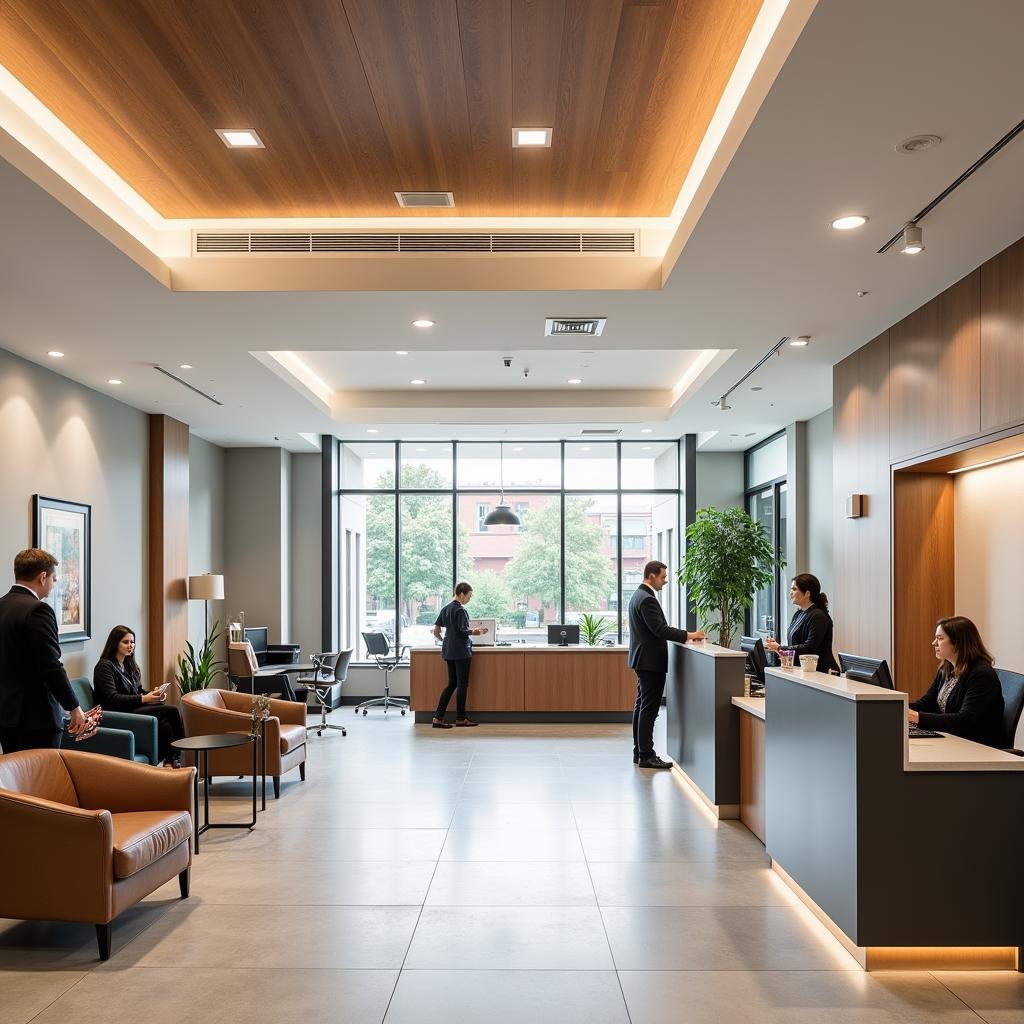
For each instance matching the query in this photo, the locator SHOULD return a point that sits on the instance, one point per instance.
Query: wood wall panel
(752, 745)
(594, 680)
(935, 378)
(168, 546)
(357, 98)
(923, 573)
(1002, 339)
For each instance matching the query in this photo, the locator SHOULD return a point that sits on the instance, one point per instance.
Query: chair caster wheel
(364, 712)
(403, 711)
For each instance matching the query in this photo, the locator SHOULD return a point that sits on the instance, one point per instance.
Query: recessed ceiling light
(584, 448)
(531, 137)
(416, 380)
(240, 138)
(423, 323)
(401, 352)
(517, 449)
(646, 430)
(574, 380)
(802, 342)
(186, 366)
(371, 453)
(114, 380)
(54, 354)
(757, 388)
(853, 220)
(372, 430)
(645, 448)
(918, 143)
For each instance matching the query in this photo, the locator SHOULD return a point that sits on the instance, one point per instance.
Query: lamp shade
(207, 587)
(501, 516)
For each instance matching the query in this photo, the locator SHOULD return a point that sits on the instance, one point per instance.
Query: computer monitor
(555, 631)
(866, 670)
(257, 636)
(753, 647)
(485, 639)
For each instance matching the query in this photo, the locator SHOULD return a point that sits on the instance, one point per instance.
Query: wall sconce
(856, 506)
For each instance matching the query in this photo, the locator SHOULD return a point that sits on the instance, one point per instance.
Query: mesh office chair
(330, 670)
(387, 660)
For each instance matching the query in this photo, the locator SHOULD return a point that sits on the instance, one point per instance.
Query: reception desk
(908, 850)
(531, 684)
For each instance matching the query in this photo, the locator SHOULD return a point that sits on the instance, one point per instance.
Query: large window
(765, 467)
(413, 522)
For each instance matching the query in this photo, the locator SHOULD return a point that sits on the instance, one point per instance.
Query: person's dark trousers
(458, 683)
(169, 727)
(29, 739)
(650, 688)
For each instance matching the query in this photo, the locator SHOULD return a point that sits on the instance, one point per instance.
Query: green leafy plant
(729, 557)
(196, 671)
(593, 629)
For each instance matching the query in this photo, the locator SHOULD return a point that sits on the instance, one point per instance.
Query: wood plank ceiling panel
(357, 98)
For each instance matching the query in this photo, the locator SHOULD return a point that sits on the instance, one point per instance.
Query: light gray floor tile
(311, 845)
(544, 791)
(497, 884)
(687, 884)
(996, 996)
(24, 993)
(507, 997)
(371, 938)
(727, 842)
(641, 814)
(482, 814)
(721, 939)
(331, 814)
(164, 995)
(512, 844)
(790, 997)
(509, 938)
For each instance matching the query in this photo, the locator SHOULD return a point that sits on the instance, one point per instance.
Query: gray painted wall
(305, 545)
(820, 501)
(64, 440)
(205, 527)
(719, 479)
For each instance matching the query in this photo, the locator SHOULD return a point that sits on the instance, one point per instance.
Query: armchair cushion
(143, 837)
(39, 774)
(292, 737)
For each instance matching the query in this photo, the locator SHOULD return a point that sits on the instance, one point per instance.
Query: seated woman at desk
(117, 683)
(810, 631)
(965, 697)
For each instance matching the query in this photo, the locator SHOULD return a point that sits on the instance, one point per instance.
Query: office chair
(331, 669)
(387, 660)
(1012, 685)
(245, 676)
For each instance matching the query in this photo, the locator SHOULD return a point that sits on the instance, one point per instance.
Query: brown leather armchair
(89, 836)
(215, 712)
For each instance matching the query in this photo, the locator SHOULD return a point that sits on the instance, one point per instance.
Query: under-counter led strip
(991, 462)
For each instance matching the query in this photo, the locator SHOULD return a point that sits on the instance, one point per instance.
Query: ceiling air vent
(560, 327)
(600, 431)
(425, 200)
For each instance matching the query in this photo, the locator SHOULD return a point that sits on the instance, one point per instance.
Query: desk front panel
(579, 680)
(495, 681)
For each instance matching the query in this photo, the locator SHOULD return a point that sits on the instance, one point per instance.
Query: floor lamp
(206, 588)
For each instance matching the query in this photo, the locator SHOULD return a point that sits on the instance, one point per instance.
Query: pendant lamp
(502, 514)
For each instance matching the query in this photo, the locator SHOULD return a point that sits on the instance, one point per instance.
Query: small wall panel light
(856, 506)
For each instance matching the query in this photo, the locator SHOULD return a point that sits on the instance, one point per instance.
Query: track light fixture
(912, 240)
(723, 404)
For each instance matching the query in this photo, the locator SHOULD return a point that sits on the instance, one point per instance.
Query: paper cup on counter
(809, 662)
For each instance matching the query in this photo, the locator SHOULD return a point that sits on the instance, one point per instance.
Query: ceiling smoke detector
(557, 327)
(918, 143)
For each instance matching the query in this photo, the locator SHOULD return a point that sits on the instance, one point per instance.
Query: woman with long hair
(965, 697)
(117, 683)
(810, 630)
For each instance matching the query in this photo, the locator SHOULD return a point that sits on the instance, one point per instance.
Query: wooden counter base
(538, 684)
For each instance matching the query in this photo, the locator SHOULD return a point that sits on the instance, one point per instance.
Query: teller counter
(531, 684)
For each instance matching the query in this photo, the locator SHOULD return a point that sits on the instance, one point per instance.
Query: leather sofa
(215, 712)
(122, 734)
(88, 836)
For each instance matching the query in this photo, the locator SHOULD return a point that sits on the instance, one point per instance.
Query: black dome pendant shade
(502, 515)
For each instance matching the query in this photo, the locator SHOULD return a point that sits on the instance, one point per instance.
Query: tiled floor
(526, 874)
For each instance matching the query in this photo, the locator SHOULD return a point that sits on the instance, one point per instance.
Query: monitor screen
(866, 670)
(753, 647)
(257, 636)
(555, 631)
(484, 639)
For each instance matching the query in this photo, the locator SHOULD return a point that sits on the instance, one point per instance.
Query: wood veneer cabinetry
(752, 773)
(1002, 339)
(495, 683)
(570, 681)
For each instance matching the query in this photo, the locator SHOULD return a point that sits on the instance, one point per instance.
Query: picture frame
(64, 528)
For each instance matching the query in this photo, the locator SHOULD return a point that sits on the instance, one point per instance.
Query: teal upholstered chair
(132, 737)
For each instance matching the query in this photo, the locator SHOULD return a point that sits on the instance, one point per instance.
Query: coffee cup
(809, 662)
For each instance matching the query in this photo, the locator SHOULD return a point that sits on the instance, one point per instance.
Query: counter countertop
(838, 686)
(708, 648)
(532, 649)
(753, 705)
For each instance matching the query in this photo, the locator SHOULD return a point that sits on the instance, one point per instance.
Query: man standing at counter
(649, 634)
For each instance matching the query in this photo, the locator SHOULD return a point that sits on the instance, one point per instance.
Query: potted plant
(594, 628)
(729, 557)
(196, 671)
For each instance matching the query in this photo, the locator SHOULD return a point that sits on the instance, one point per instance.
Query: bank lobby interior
(318, 309)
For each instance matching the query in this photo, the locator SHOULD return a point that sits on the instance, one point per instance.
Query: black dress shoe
(654, 762)
(439, 723)
(636, 759)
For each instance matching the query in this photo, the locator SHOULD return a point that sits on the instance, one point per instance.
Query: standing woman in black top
(810, 631)
(965, 697)
(457, 652)
(117, 683)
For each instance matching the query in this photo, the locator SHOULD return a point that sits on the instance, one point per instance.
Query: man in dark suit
(34, 688)
(649, 634)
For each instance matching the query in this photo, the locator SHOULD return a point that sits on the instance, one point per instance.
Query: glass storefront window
(367, 466)
(591, 466)
(522, 464)
(649, 465)
(426, 465)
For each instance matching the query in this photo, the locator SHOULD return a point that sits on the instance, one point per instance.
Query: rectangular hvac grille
(599, 432)
(323, 243)
(425, 200)
(559, 327)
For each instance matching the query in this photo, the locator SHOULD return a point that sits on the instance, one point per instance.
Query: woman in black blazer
(117, 683)
(965, 697)
(810, 631)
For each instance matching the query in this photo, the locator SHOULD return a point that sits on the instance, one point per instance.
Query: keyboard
(923, 734)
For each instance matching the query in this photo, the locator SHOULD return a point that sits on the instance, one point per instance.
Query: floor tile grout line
(957, 996)
(67, 991)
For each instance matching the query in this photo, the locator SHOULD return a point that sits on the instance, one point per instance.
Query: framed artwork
(64, 528)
